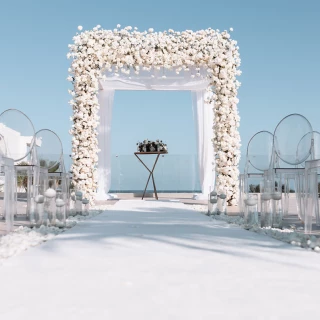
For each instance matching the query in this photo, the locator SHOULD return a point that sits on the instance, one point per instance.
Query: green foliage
(22, 180)
(52, 165)
(254, 188)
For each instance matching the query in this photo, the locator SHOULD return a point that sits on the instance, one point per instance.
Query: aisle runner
(157, 260)
(164, 206)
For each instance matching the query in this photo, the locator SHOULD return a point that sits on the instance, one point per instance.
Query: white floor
(160, 260)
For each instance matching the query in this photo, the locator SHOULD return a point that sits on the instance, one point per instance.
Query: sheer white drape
(203, 121)
(203, 115)
(104, 140)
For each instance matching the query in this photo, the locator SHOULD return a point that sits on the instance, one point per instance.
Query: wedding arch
(205, 62)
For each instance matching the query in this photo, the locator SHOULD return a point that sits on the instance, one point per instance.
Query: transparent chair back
(293, 146)
(16, 143)
(17, 136)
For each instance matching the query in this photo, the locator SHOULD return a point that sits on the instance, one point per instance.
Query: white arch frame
(206, 54)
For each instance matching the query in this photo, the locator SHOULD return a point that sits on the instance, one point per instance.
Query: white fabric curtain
(203, 121)
(161, 80)
(104, 141)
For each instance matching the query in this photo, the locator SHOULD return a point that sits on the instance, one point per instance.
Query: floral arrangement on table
(152, 146)
(209, 54)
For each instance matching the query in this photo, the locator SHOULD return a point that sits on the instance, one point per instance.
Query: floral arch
(208, 55)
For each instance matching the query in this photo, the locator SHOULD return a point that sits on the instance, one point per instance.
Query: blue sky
(279, 47)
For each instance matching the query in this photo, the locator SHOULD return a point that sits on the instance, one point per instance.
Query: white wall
(14, 145)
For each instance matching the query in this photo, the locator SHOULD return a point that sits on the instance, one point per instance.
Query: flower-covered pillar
(226, 141)
(85, 70)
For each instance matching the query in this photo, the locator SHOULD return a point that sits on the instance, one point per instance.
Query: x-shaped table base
(150, 171)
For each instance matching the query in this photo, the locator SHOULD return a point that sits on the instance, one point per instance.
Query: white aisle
(160, 260)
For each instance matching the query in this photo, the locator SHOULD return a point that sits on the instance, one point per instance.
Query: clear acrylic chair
(258, 158)
(49, 152)
(18, 134)
(312, 183)
(8, 190)
(292, 147)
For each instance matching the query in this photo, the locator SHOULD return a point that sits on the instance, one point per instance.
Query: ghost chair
(8, 191)
(292, 147)
(311, 199)
(312, 183)
(7, 187)
(18, 133)
(53, 207)
(258, 159)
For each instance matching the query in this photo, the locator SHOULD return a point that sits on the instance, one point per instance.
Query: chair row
(33, 181)
(285, 164)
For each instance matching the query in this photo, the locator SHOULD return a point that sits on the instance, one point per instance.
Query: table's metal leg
(146, 186)
(150, 175)
(154, 185)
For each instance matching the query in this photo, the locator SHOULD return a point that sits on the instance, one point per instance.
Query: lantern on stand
(212, 203)
(78, 204)
(85, 209)
(39, 211)
(222, 208)
(251, 212)
(50, 207)
(60, 209)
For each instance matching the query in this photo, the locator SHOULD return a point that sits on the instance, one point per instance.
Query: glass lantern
(72, 203)
(60, 209)
(212, 203)
(37, 202)
(78, 204)
(222, 208)
(85, 208)
(50, 206)
(8, 200)
(39, 211)
(277, 208)
(265, 203)
(251, 212)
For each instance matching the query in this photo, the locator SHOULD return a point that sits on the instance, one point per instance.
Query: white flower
(231, 29)
(150, 30)
(118, 26)
(80, 28)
